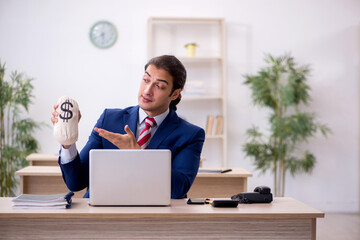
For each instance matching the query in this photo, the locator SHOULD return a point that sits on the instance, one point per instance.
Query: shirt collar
(158, 119)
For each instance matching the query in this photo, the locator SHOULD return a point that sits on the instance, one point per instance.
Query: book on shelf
(61, 200)
(209, 125)
(214, 125)
(214, 170)
(202, 159)
(194, 88)
(219, 124)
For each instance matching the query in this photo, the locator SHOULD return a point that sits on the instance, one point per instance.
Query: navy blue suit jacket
(184, 140)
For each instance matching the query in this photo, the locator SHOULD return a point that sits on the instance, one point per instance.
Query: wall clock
(103, 34)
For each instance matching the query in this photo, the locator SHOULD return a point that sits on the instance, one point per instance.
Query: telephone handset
(261, 194)
(262, 190)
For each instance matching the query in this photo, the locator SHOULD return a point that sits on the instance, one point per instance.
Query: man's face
(155, 91)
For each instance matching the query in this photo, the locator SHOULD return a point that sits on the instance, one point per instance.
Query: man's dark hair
(175, 68)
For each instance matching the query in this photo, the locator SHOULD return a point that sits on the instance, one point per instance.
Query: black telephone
(261, 194)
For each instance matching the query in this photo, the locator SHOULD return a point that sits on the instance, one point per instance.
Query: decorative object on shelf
(190, 49)
(103, 34)
(282, 88)
(16, 133)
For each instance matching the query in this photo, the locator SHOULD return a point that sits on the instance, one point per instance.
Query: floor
(344, 226)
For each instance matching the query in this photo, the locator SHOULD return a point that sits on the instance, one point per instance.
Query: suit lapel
(131, 118)
(169, 124)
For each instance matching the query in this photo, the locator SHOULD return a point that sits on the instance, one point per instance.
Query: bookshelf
(204, 95)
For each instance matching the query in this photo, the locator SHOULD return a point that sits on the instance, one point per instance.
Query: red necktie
(144, 137)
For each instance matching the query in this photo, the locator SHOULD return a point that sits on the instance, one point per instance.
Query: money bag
(66, 129)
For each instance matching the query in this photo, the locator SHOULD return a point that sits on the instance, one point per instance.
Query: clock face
(103, 34)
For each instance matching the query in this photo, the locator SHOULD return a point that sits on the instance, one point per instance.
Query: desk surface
(39, 171)
(279, 208)
(55, 171)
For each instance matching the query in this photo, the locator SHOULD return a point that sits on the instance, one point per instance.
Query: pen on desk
(226, 170)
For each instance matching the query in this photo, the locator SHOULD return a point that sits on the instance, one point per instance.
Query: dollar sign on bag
(65, 106)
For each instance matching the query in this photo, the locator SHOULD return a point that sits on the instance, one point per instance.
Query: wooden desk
(284, 218)
(219, 184)
(42, 159)
(43, 180)
(48, 180)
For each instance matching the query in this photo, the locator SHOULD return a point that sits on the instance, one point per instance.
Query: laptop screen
(130, 177)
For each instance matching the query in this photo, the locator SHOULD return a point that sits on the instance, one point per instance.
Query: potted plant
(16, 140)
(282, 88)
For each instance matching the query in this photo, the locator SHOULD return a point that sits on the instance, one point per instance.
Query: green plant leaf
(16, 133)
(282, 87)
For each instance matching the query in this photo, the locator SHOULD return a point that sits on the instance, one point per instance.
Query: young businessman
(159, 93)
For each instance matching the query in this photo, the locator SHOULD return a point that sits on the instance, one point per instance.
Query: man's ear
(175, 94)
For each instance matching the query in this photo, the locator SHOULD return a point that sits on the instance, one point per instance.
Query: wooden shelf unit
(207, 69)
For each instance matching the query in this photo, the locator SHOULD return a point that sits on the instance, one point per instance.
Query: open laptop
(130, 177)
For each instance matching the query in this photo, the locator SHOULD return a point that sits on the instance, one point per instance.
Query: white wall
(49, 41)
